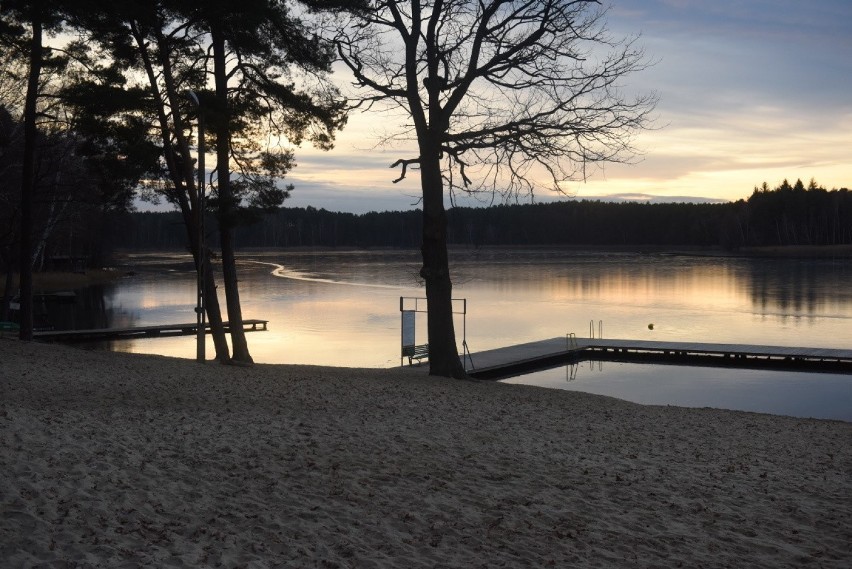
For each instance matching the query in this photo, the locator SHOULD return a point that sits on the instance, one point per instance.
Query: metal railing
(592, 329)
(570, 341)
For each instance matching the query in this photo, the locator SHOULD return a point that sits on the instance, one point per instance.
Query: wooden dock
(522, 358)
(157, 331)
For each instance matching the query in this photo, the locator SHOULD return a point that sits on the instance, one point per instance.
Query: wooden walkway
(158, 331)
(521, 358)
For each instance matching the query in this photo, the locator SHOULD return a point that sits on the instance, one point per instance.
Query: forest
(796, 214)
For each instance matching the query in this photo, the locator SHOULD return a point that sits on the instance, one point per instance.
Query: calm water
(342, 308)
(821, 395)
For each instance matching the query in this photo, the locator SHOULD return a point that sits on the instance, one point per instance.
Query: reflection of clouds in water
(613, 283)
(513, 296)
(155, 291)
(382, 319)
(328, 334)
(779, 287)
(821, 395)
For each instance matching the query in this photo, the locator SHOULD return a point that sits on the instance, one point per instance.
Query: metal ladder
(592, 329)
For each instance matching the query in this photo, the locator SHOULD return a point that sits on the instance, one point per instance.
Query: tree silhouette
(257, 47)
(258, 72)
(22, 28)
(504, 96)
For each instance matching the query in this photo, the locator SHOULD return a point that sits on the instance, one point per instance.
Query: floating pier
(523, 358)
(157, 331)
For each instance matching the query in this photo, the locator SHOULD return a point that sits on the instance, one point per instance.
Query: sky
(749, 91)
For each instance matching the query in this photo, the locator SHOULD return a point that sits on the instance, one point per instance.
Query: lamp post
(199, 308)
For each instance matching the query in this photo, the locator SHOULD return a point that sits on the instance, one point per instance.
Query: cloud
(775, 20)
(749, 92)
(650, 198)
(350, 199)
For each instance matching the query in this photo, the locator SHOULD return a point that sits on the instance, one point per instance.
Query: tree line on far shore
(796, 214)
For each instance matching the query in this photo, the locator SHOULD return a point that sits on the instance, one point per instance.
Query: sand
(123, 460)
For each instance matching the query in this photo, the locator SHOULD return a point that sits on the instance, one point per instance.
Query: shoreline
(788, 251)
(800, 251)
(111, 458)
(55, 281)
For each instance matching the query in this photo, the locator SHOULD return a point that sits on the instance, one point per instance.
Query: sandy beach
(122, 460)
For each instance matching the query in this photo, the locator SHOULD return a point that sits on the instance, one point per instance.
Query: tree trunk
(226, 201)
(211, 299)
(7, 285)
(27, 178)
(183, 180)
(214, 312)
(443, 353)
(39, 247)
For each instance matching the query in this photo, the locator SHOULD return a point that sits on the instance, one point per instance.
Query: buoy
(650, 326)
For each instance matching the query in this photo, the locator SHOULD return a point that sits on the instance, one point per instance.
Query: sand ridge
(124, 460)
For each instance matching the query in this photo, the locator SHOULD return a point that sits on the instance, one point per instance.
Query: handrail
(466, 354)
(571, 341)
(592, 329)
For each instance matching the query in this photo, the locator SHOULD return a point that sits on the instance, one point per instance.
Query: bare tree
(504, 96)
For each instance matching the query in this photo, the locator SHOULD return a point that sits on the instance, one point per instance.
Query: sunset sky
(750, 91)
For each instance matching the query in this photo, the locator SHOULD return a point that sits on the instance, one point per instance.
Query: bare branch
(510, 92)
(404, 164)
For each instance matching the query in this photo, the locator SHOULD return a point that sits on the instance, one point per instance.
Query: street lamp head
(193, 97)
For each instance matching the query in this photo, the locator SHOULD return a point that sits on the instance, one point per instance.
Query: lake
(342, 308)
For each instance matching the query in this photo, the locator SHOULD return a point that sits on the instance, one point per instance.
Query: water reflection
(817, 395)
(341, 308)
(643, 281)
(791, 288)
(81, 309)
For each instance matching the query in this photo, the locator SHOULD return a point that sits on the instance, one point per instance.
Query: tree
(10, 135)
(22, 26)
(252, 52)
(257, 48)
(797, 215)
(502, 95)
(149, 38)
(12, 74)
